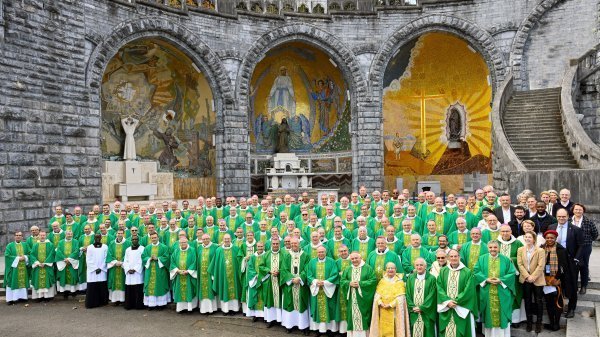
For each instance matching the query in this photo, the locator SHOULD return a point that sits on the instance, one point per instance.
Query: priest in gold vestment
(390, 314)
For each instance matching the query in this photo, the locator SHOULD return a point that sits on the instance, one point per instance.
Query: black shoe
(548, 326)
(529, 326)
(538, 327)
(555, 327)
(270, 324)
(10, 303)
(582, 291)
(570, 314)
(306, 332)
(515, 325)
(288, 330)
(254, 319)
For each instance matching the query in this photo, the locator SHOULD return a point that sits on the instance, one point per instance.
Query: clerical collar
(363, 240)
(407, 233)
(493, 230)
(250, 244)
(316, 246)
(408, 217)
(155, 244)
(321, 260)
(274, 252)
(208, 245)
(476, 243)
(438, 212)
(226, 247)
(381, 253)
(362, 263)
(463, 231)
(413, 247)
(460, 266)
(119, 242)
(393, 241)
(461, 213)
(506, 242)
(183, 250)
(421, 276)
(340, 239)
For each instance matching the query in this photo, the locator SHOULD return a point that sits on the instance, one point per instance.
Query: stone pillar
(367, 147)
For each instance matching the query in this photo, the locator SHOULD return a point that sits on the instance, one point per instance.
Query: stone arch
(478, 38)
(517, 50)
(201, 55)
(340, 53)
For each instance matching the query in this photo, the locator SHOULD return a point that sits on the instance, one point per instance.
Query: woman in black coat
(590, 233)
(558, 275)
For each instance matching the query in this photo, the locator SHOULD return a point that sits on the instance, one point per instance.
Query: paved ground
(70, 316)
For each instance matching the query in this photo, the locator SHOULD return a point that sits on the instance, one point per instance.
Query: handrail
(585, 151)
(512, 161)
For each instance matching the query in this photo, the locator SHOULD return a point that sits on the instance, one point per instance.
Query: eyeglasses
(441, 258)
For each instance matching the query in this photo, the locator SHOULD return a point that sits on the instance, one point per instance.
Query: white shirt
(133, 260)
(562, 234)
(96, 259)
(506, 214)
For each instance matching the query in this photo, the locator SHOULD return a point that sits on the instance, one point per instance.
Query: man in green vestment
(358, 284)
(493, 231)
(58, 216)
(322, 277)
(206, 296)
(457, 306)
(85, 240)
(311, 247)
(33, 237)
(269, 275)
(114, 262)
(460, 236)
(413, 252)
(462, 212)
(225, 271)
(67, 265)
(333, 245)
(72, 225)
(16, 275)
(254, 294)
(444, 221)
(294, 288)
(41, 258)
(184, 276)
(421, 299)
(342, 263)
(472, 250)
(381, 256)
(363, 244)
(509, 246)
(156, 276)
(56, 234)
(495, 274)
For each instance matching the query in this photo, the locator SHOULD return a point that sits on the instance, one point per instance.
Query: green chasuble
(234, 222)
(41, 259)
(116, 274)
(470, 253)
(430, 240)
(468, 216)
(245, 251)
(404, 238)
(73, 227)
(410, 254)
(443, 222)
(424, 209)
(333, 245)
(495, 301)
(84, 242)
(156, 273)
(488, 235)
(60, 219)
(363, 247)
(458, 285)
(322, 300)
(16, 277)
(308, 230)
(31, 240)
(327, 223)
(67, 275)
(509, 249)
(56, 237)
(359, 300)
(457, 238)
(295, 296)
(225, 270)
(184, 286)
(219, 235)
(271, 287)
(254, 297)
(211, 230)
(311, 250)
(417, 224)
(170, 237)
(342, 307)
(378, 261)
(422, 293)
(395, 245)
(249, 227)
(205, 256)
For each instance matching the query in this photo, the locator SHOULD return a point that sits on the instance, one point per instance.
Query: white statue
(281, 95)
(129, 124)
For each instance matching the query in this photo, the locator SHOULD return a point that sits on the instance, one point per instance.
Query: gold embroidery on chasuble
(356, 314)
(418, 298)
(182, 265)
(321, 297)
(494, 272)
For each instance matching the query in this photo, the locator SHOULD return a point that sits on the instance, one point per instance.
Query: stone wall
(588, 105)
(53, 54)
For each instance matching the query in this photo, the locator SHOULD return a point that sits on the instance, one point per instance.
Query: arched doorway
(300, 82)
(151, 81)
(436, 106)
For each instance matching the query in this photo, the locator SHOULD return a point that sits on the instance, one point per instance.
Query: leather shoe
(582, 291)
(538, 327)
(570, 314)
(529, 327)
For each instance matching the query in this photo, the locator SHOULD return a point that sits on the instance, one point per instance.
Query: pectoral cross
(421, 146)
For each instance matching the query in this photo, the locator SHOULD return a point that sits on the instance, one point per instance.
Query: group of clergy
(396, 268)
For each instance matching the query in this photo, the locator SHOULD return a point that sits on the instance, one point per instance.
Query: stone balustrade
(284, 7)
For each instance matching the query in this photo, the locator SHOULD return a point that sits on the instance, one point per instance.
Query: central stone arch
(345, 59)
(207, 61)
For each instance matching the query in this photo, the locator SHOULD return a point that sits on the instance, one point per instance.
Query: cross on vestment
(421, 147)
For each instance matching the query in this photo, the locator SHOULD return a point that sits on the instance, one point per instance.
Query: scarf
(553, 259)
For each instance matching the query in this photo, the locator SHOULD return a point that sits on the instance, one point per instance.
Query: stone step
(550, 167)
(528, 134)
(592, 295)
(544, 159)
(518, 121)
(526, 150)
(580, 325)
(544, 110)
(538, 92)
(535, 102)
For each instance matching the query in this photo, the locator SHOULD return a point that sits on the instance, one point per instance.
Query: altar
(286, 173)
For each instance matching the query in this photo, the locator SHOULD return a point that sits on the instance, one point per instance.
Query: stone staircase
(532, 123)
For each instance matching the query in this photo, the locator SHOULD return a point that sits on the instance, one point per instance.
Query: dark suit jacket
(574, 240)
(498, 213)
(542, 224)
(558, 206)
